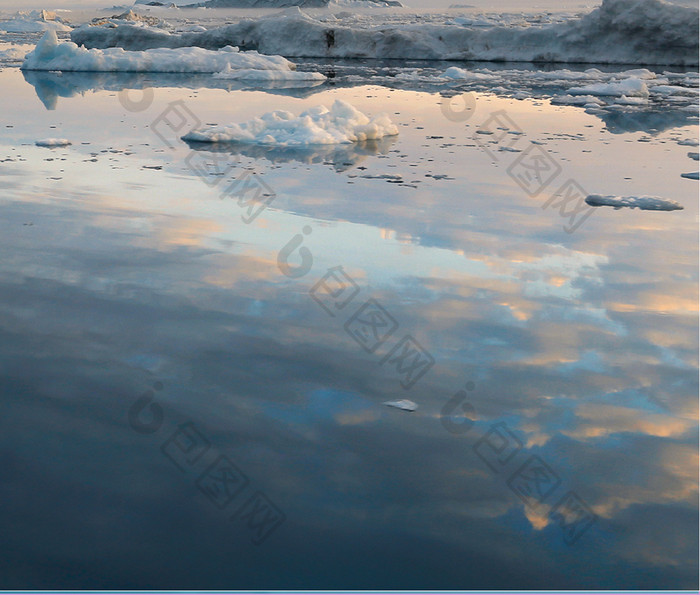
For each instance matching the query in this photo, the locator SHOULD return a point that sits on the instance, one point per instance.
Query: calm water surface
(128, 279)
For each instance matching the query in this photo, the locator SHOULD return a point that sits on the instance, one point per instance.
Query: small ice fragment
(644, 203)
(53, 142)
(403, 404)
(689, 142)
(693, 155)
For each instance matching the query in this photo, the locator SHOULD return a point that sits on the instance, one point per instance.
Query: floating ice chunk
(631, 87)
(13, 54)
(53, 142)
(461, 74)
(644, 203)
(578, 100)
(640, 73)
(403, 404)
(624, 100)
(49, 54)
(689, 142)
(268, 75)
(316, 126)
(34, 22)
(691, 175)
(693, 155)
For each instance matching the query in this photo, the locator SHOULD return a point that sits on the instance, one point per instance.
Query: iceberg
(49, 54)
(617, 32)
(342, 123)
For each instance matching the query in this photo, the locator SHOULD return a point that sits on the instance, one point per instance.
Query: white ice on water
(49, 54)
(342, 123)
(249, 74)
(644, 203)
(53, 142)
(631, 87)
(33, 22)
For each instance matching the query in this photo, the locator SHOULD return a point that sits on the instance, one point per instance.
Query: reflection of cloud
(598, 419)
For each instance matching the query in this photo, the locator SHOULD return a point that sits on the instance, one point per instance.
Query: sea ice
(53, 142)
(317, 126)
(617, 32)
(49, 54)
(268, 75)
(644, 203)
(34, 22)
(631, 87)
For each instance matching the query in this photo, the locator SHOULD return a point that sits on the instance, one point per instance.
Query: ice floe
(342, 123)
(49, 54)
(53, 142)
(644, 203)
(268, 75)
(631, 87)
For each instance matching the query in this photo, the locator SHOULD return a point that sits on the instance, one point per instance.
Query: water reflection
(50, 86)
(340, 157)
(584, 345)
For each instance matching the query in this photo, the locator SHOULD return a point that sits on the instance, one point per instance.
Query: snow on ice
(644, 203)
(49, 54)
(342, 123)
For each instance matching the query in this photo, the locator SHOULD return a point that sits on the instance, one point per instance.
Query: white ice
(53, 142)
(631, 87)
(644, 203)
(617, 32)
(33, 22)
(49, 54)
(343, 123)
(268, 75)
